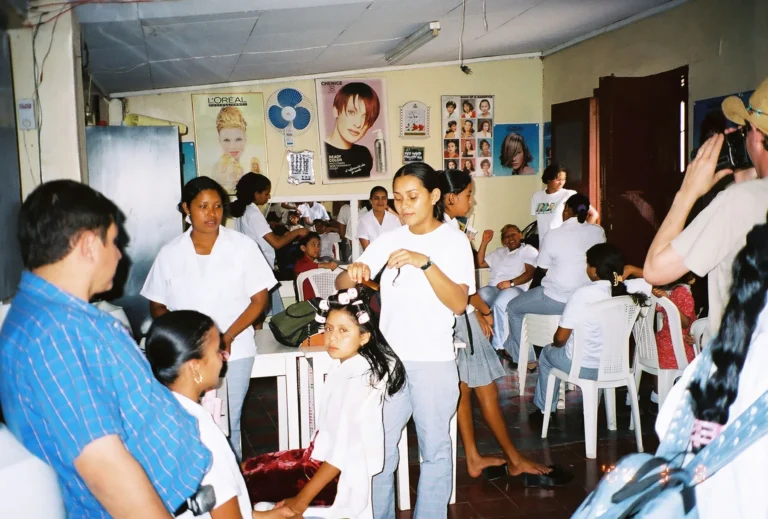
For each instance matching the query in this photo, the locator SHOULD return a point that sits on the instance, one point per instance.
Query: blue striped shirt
(69, 375)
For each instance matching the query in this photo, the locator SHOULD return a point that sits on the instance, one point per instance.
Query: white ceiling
(165, 44)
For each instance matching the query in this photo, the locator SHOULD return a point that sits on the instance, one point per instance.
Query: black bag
(296, 323)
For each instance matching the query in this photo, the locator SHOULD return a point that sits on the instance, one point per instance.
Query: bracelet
(486, 315)
(226, 334)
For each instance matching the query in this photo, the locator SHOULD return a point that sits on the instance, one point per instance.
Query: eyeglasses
(755, 111)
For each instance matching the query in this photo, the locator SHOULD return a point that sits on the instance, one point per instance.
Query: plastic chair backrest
(539, 329)
(675, 330)
(645, 338)
(615, 318)
(701, 333)
(323, 282)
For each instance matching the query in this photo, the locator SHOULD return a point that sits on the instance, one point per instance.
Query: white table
(314, 366)
(275, 360)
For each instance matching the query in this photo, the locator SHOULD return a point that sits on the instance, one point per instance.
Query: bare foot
(475, 467)
(526, 466)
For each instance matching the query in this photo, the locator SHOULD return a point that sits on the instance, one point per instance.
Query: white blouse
(369, 228)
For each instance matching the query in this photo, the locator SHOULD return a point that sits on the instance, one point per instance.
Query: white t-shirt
(255, 226)
(369, 227)
(350, 436)
(327, 241)
(222, 289)
(564, 255)
(506, 265)
(737, 491)
(316, 212)
(548, 210)
(576, 312)
(417, 325)
(224, 475)
(345, 217)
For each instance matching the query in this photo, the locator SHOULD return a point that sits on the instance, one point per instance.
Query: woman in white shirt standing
(218, 272)
(253, 190)
(427, 278)
(378, 220)
(563, 259)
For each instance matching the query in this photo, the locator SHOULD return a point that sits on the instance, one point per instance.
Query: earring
(198, 377)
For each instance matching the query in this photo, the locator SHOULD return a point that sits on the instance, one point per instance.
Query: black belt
(201, 502)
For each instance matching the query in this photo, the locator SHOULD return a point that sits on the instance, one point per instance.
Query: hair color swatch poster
(467, 129)
(230, 138)
(353, 129)
(515, 149)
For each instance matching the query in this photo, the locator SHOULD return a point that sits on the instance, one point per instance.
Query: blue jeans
(498, 301)
(238, 380)
(431, 395)
(556, 358)
(532, 302)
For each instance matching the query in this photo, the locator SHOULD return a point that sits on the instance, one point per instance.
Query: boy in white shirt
(328, 239)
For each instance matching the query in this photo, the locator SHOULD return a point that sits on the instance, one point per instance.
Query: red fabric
(279, 475)
(683, 299)
(304, 264)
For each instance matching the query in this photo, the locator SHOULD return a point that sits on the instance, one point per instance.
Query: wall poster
(353, 129)
(230, 138)
(467, 127)
(414, 119)
(413, 154)
(516, 149)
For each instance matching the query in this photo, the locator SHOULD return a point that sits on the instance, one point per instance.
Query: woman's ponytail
(579, 205)
(247, 187)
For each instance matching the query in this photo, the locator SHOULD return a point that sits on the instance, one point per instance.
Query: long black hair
(199, 184)
(174, 339)
(713, 396)
(579, 205)
(383, 361)
(454, 181)
(429, 178)
(247, 187)
(609, 265)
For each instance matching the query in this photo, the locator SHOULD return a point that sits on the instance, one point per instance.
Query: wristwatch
(427, 264)
(511, 284)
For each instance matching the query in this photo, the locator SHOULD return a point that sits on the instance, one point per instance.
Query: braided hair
(383, 361)
(713, 396)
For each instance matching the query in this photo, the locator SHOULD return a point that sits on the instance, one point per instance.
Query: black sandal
(555, 478)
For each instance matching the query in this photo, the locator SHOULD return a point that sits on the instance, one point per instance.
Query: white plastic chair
(615, 318)
(538, 330)
(701, 334)
(323, 282)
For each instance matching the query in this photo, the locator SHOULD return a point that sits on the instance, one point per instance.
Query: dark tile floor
(479, 498)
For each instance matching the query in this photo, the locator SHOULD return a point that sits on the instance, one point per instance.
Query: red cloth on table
(304, 264)
(683, 299)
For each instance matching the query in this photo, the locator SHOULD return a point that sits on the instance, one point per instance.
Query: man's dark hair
(54, 216)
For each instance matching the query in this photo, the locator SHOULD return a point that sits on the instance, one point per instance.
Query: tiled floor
(479, 498)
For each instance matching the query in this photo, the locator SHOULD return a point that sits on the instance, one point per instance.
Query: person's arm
(246, 319)
(157, 309)
(278, 242)
(561, 336)
(486, 239)
(522, 279)
(228, 510)
(664, 264)
(593, 216)
(632, 271)
(330, 265)
(364, 243)
(324, 475)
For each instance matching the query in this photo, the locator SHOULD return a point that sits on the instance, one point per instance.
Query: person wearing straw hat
(711, 241)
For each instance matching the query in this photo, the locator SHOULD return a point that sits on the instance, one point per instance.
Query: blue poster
(188, 164)
(515, 149)
(547, 143)
(708, 117)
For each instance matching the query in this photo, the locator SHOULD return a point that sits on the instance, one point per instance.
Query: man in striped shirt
(74, 387)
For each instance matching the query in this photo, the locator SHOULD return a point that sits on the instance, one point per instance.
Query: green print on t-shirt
(545, 208)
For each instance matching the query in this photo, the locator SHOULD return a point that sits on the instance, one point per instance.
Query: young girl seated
(349, 442)
(186, 354)
(680, 294)
(605, 266)
(310, 248)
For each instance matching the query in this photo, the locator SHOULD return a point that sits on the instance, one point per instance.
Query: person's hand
(359, 272)
(227, 339)
(301, 232)
(332, 265)
(293, 504)
(503, 285)
(700, 176)
(485, 326)
(402, 257)
(276, 513)
(689, 339)
(487, 236)
(659, 293)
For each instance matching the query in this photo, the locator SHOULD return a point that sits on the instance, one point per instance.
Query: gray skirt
(484, 366)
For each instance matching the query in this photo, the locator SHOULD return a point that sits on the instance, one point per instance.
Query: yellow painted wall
(517, 85)
(724, 42)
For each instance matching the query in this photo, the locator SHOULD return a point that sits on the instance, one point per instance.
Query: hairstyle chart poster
(708, 117)
(467, 129)
(230, 138)
(516, 149)
(353, 129)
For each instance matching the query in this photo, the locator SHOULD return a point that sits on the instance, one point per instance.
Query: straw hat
(756, 113)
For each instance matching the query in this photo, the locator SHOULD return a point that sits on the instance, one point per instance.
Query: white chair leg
(666, 381)
(453, 427)
(403, 478)
(305, 401)
(635, 412)
(548, 405)
(589, 399)
(638, 375)
(561, 396)
(610, 407)
(522, 364)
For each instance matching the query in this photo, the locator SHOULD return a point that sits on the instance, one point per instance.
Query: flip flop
(557, 477)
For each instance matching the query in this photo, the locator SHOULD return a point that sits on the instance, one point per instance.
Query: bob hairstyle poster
(516, 149)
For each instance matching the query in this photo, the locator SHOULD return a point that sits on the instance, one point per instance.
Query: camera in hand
(733, 154)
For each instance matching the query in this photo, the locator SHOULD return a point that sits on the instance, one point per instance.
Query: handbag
(296, 323)
(662, 486)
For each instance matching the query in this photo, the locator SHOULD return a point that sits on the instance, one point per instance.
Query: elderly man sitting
(512, 267)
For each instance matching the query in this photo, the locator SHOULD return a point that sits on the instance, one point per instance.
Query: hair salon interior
(328, 99)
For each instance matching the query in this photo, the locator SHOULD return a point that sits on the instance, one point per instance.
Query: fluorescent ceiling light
(416, 40)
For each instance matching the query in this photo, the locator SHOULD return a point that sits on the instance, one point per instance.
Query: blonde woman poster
(229, 136)
(353, 129)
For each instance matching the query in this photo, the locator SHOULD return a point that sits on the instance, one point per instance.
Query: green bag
(293, 325)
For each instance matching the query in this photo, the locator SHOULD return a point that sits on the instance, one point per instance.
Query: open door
(642, 155)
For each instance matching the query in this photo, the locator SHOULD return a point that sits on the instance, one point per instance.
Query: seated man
(75, 389)
(512, 267)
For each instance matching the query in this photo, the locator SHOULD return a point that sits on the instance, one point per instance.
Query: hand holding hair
(359, 272)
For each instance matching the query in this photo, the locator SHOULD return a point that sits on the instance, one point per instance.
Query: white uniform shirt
(576, 312)
(316, 212)
(369, 228)
(417, 325)
(345, 217)
(737, 491)
(548, 210)
(255, 226)
(220, 286)
(327, 241)
(350, 436)
(224, 475)
(506, 265)
(564, 255)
